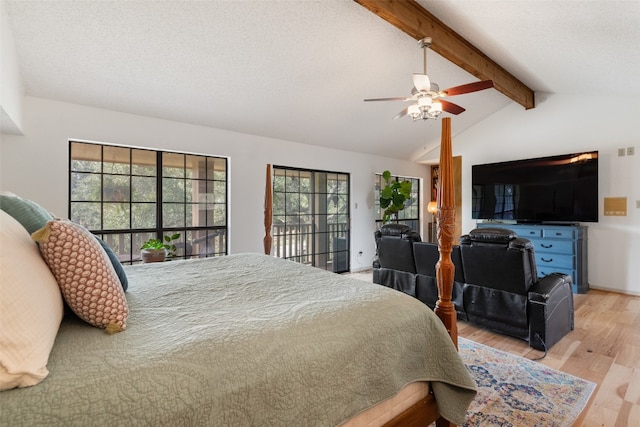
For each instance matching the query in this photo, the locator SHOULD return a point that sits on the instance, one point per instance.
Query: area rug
(514, 391)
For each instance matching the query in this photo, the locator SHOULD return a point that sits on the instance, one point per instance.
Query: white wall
(568, 124)
(11, 89)
(35, 165)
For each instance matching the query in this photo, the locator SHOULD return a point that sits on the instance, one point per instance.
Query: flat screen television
(556, 189)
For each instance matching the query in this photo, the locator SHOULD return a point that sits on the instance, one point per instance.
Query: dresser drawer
(545, 270)
(528, 233)
(558, 233)
(545, 260)
(553, 246)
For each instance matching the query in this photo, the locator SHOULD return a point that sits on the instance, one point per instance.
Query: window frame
(414, 203)
(196, 239)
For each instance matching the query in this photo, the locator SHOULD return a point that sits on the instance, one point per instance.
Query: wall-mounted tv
(556, 189)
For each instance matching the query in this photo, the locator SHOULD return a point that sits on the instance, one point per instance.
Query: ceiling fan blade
(401, 113)
(421, 82)
(469, 87)
(386, 99)
(450, 107)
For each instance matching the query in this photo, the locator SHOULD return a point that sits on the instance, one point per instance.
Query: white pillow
(30, 308)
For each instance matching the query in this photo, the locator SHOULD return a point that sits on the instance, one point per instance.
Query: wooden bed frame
(425, 411)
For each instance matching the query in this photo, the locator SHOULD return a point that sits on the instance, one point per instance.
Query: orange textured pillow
(86, 277)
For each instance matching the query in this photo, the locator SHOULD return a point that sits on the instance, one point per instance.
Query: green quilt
(243, 340)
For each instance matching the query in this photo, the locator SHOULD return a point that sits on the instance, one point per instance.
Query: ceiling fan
(426, 96)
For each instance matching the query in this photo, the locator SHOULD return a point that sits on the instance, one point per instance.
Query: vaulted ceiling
(299, 70)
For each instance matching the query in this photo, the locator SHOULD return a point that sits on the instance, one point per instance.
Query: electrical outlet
(621, 152)
(638, 204)
(631, 151)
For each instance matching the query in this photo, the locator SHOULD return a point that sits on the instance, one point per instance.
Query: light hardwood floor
(603, 348)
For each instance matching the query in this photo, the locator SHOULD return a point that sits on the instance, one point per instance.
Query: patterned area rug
(514, 391)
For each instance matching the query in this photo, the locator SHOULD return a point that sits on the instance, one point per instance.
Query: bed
(250, 340)
(244, 339)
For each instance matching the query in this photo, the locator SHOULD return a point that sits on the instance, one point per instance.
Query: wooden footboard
(420, 414)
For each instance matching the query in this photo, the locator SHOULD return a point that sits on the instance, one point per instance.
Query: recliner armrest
(541, 290)
(550, 310)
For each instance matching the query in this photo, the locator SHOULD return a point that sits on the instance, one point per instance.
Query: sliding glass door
(311, 217)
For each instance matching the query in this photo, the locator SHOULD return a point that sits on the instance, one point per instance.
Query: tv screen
(554, 189)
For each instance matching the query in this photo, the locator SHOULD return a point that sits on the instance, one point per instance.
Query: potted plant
(393, 196)
(157, 250)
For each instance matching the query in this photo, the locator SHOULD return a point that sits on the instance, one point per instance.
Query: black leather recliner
(502, 290)
(495, 284)
(394, 266)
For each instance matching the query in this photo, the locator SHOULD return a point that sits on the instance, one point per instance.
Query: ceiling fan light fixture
(436, 109)
(414, 111)
(424, 103)
(425, 108)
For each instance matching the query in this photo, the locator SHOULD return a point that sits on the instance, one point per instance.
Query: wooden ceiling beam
(417, 22)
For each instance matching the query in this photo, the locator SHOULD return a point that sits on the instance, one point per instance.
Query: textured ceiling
(299, 70)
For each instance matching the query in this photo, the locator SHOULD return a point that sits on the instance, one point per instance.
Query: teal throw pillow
(117, 265)
(31, 215)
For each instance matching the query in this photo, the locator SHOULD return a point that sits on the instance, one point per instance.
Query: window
(311, 217)
(128, 195)
(410, 215)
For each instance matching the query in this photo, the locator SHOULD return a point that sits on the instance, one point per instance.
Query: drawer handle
(558, 233)
(546, 260)
(546, 246)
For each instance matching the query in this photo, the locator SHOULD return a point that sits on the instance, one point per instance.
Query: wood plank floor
(603, 348)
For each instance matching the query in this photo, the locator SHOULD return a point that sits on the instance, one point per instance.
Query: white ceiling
(298, 70)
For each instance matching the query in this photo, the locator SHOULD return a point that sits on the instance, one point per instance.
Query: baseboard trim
(361, 270)
(617, 291)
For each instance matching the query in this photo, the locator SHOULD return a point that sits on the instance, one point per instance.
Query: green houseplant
(393, 196)
(157, 250)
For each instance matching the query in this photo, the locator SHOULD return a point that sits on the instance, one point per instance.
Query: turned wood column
(268, 210)
(445, 218)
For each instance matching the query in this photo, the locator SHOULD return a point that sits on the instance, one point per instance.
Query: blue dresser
(558, 248)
